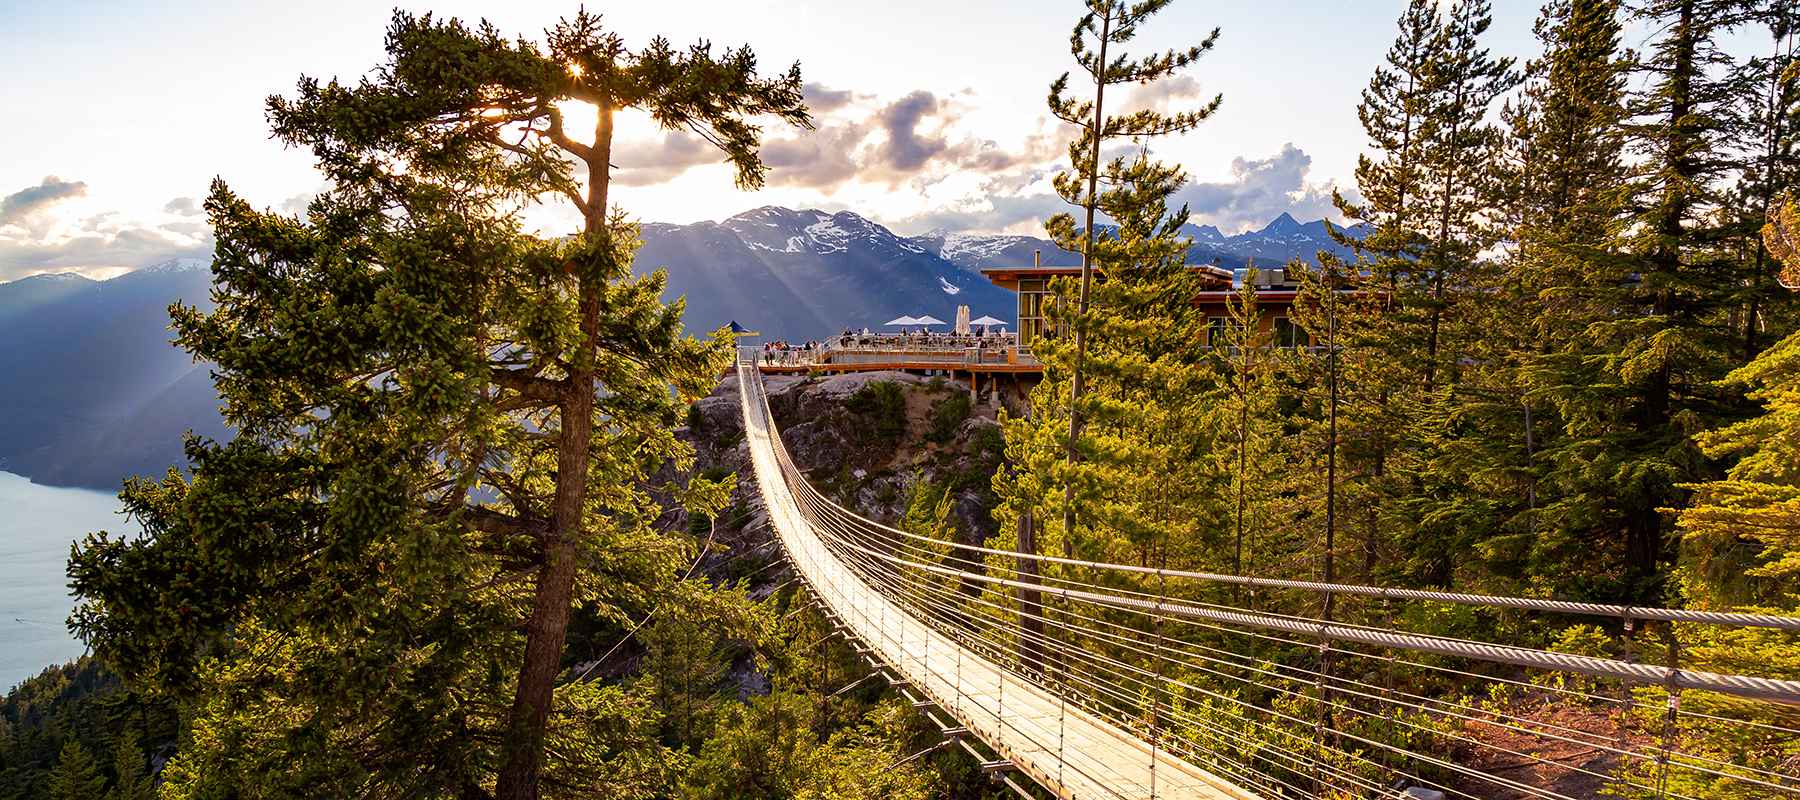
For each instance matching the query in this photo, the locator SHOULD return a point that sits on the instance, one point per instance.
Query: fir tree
(1564, 162)
(1107, 23)
(77, 775)
(130, 781)
(447, 427)
(1421, 282)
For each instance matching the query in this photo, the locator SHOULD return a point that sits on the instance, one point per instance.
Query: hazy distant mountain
(25, 294)
(808, 274)
(1279, 242)
(94, 391)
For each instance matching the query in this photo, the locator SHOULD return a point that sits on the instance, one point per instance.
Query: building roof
(1015, 273)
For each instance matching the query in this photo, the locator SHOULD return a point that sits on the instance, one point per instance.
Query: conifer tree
(1107, 23)
(1244, 421)
(77, 775)
(447, 426)
(1143, 452)
(1764, 128)
(1563, 163)
(1629, 390)
(1398, 114)
(129, 767)
(1421, 282)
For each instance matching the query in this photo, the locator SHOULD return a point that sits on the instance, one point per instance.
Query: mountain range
(95, 392)
(1282, 240)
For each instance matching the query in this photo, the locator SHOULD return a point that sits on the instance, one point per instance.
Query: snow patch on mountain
(948, 287)
(963, 248)
(185, 264)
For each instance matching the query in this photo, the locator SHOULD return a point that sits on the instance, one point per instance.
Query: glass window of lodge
(1289, 334)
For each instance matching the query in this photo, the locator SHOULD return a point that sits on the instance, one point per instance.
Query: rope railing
(1244, 694)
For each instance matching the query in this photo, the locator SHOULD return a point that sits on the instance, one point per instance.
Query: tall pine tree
(447, 427)
(1106, 25)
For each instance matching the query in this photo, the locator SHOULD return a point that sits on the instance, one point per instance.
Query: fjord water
(37, 525)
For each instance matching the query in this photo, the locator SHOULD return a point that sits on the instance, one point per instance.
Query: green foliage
(948, 415)
(79, 703)
(880, 410)
(76, 776)
(449, 429)
(130, 781)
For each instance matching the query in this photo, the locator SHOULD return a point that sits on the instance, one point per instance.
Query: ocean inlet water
(37, 525)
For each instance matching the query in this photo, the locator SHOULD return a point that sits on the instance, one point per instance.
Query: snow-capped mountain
(806, 274)
(783, 230)
(184, 264)
(1282, 240)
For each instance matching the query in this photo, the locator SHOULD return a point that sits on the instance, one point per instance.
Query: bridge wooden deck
(1067, 751)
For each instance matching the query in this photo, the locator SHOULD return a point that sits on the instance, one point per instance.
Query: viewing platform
(951, 353)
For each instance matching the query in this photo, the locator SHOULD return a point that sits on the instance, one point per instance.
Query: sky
(930, 113)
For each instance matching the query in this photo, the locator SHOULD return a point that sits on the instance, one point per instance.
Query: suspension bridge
(1103, 680)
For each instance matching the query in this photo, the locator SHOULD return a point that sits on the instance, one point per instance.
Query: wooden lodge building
(1275, 294)
(984, 358)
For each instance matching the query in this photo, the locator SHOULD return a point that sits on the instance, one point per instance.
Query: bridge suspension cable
(1117, 690)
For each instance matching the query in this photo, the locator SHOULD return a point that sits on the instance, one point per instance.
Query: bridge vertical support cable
(1671, 717)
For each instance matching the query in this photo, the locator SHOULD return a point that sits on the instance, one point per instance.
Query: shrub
(881, 406)
(947, 415)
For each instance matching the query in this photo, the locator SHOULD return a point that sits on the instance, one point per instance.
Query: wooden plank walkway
(1067, 751)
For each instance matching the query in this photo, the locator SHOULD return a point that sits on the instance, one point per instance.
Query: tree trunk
(547, 628)
(1087, 278)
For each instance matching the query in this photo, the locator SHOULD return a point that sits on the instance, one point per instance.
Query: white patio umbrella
(927, 320)
(987, 321)
(901, 321)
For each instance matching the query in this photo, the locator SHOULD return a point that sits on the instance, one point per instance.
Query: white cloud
(1260, 190)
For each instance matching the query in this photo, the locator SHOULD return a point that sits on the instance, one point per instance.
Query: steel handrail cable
(1762, 688)
(1692, 761)
(1446, 670)
(1386, 768)
(938, 607)
(1452, 709)
(1118, 691)
(1470, 772)
(950, 544)
(1743, 685)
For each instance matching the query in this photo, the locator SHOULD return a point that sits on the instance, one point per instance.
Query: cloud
(1165, 95)
(905, 150)
(821, 99)
(642, 162)
(1023, 213)
(183, 207)
(27, 202)
(822, 159)
(32, 241)
(1260, 190)
(912, 139)
(108, 249)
